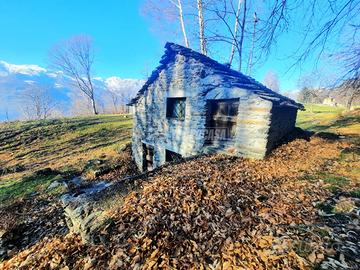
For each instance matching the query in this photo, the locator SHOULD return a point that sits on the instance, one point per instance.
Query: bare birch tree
(201, 27)
(260, 37)
(182, 22)
(114, 100)
(251, 54)
(233, 47)
(75, 58)
(230, 25)
(164, 13)
(241, 41)
(330, 21)
(7, 114)
(351, 87)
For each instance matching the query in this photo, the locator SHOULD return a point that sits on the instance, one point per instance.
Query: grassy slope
(64, 145)
(67, 144)
(330, 119)
(323, 118)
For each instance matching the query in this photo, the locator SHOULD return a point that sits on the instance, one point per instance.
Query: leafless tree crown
(37, 103)
(75, 58)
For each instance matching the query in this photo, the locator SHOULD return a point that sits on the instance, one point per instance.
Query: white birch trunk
(181, 17)
(201, 28)
(242, 35)
(235, 31)
(250, 62)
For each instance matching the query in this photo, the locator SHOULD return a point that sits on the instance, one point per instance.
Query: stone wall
(151, 125)
(282, 122)
(187, 77)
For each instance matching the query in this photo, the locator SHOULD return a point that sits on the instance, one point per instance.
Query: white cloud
(117, 84)
(58, 85)
(31, 82)
(23, 69)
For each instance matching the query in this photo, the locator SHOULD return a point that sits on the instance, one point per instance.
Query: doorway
(148, 157)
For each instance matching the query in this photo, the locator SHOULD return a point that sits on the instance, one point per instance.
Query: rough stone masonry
(192, 105)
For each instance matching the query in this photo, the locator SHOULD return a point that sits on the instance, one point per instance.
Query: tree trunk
(242, 35)
(7, 114)
(201, 28)
(115, 108)
(235, 31)
(93, 105)
(350, 101)
(181, 16)
(250, 62)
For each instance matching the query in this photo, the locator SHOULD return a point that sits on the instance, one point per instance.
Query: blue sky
(125, 46)
(121, 36)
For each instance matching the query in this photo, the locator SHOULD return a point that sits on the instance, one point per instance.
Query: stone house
(193, 105)
(330, 101)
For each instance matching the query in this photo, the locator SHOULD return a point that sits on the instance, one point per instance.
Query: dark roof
(233, 77)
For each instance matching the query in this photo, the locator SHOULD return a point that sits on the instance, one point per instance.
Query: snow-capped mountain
(16, 79)
(6, 68)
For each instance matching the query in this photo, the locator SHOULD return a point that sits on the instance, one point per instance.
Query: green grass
(334, 182)
(315, 116)
(26, 186)
(64, 145)
(355, 193)
(338, 181)
(329, 119)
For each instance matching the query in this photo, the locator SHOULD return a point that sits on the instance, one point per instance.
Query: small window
(171, 156)
(175, 108)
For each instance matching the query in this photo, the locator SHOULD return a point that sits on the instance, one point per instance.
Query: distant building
(192, 105)
(330, 101)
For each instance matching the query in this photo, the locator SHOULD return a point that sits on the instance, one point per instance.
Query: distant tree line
(344, 94)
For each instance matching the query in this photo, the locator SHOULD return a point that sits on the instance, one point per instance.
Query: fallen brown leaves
(221, 212)
(59, 253)
(121, 166)
(26, 221)
(214, 212)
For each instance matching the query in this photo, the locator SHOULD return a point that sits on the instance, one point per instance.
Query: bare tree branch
(74, 57)
(37, 103)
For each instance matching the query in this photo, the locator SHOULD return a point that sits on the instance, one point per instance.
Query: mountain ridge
(16, 79)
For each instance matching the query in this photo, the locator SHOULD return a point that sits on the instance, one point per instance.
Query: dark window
(221, 120)
(171, 156)
(148, 157)
(224, 108)
(175, 108)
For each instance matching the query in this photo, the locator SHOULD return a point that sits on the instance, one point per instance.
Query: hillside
(297, 209)
(329, 119)
(62, 145)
